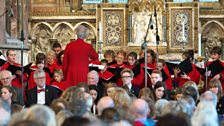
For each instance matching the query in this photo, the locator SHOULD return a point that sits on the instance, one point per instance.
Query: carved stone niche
(212, 35)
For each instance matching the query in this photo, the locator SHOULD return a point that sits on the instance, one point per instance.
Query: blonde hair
(216, 83)
(120, 97)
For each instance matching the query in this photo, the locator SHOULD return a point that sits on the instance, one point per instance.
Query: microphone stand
(144, 46)
(157, 34)
(206, 70)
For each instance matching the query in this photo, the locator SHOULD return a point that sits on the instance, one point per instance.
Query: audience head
(41, 114)
(178, 94)
(109, 88)
(57, 48)
(173, 120)
(76, 121)
(109, 55)
(209, 96)
(92, 78)
(140, 109)
(40, 78)
(156, 76)
(11, 55)
(159, 106)
(127, 76)
(58, 104)
(205, 115)
(6, 77)
(160, 91)
(67, 94)
(62, 116)
(191, 91)
(82, 32)
(5, 111)
(83, 86)
(120, 97)
(215, 87)
(104, 102)
(94, 91)
(110, 115)
(8, 94)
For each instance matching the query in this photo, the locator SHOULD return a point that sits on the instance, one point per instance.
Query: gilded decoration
(112, 25)
(182, 26)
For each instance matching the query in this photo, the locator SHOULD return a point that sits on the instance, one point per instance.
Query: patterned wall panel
(113, 22)
(182, 26)
(112, 25)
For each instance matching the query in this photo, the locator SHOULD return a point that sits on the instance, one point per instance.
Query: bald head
(82, 32)
(104, 102)
(140, 108)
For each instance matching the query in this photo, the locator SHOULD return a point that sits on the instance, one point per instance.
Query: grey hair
(5, 71)
(209, 93)
(37, 73)
(95, 73)
(178, 106)
(159, 105)
(205, 115)
(41, 114)
(82, 32)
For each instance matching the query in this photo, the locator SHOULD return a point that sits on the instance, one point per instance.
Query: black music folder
(14, 68)
(215, 67)
(184, 66)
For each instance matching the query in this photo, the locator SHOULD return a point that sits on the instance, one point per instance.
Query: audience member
(104, 102)
(5, 111)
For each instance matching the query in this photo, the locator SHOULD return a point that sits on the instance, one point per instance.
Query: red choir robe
(194, 76)
(168, 81)
(60, 85)
(221, 75)
(106, 76)
(76, 60)
(17, 82)
(152, 66)
(53, 66)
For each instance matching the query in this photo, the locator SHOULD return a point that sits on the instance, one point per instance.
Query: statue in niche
(67, 2)
(213, 41)
(42, 43)
(140, 25)
(64, 35)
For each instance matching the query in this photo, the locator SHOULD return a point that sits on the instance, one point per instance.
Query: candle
(183, 29)
(199, 44)
(100, 32)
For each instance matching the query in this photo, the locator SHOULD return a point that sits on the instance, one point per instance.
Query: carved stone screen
(182, 26)
(113, 22)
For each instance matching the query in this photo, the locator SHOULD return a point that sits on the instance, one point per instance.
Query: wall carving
(44, 34)
(182, 16)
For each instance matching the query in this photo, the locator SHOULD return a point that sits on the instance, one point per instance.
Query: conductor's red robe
(76, 60)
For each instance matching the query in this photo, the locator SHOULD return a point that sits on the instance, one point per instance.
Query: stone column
(2, 22)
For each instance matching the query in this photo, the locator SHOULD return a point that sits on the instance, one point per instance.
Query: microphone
(144, 44)
(151, 22)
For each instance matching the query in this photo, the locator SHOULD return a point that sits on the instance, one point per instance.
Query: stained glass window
(117, 1)
(92, 1)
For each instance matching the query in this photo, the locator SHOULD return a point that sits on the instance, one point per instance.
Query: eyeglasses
(40, 78)
(7, 78)
(125, 76)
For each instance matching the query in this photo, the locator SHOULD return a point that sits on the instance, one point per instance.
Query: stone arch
(92, 33)
(212, 35)
(40, 36)
(63, 33)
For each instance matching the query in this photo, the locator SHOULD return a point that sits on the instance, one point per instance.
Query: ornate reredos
(142, 11)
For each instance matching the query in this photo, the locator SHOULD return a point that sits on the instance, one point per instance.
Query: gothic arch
(40, 25)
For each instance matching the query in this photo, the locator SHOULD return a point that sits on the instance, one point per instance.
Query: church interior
(112, 24)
